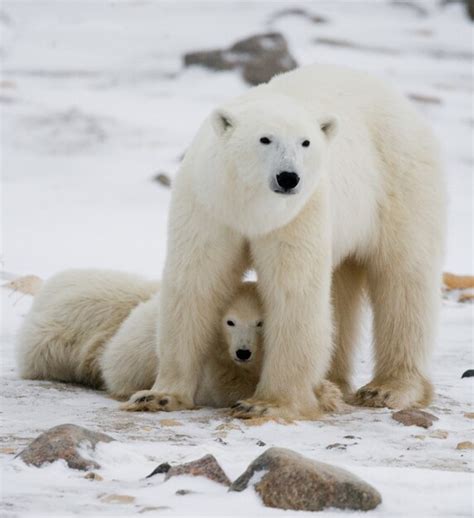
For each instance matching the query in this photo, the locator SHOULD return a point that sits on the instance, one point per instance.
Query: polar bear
(98, 328)
(324, 180)
(73, 315)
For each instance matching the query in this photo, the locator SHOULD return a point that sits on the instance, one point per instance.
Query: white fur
(98, 328)
(369, 209)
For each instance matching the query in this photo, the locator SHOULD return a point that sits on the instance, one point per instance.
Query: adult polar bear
(323, 178)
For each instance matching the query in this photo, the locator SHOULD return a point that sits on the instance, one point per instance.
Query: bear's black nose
(287, 180)
(243, 354)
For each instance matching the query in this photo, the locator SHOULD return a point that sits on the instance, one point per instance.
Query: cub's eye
(265, 140)
(259, 324)
(230, 323)
(305, 143)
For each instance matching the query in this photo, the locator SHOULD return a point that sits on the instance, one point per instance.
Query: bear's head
(271, 154)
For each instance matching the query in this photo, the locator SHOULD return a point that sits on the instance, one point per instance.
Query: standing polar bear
(325, 181)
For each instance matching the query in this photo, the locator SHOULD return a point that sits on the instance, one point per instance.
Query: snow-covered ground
(94, 102)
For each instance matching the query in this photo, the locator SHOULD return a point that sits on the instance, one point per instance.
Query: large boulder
(287, 480)
(63, 442)
(258, 57)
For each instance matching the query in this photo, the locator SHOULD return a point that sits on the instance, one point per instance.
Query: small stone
(439, 434)
(163, 179)
(206, 466)
(213, 59)
(336, 446)
(150, 509)
(261, 443)
(93, 476)
(183, 492)
(465, 445)
(351, 437)
(170, 422)
(468, 374)
(164, 467)
(286, 480)
(62, 442)
(414, 417)
(469, 415)
(118, 499)
(420, 437)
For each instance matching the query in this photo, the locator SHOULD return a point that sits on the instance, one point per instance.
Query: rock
(414, 417)
(164, 467)
(336, 446)
(468, 374)
(163, 179)
(183, 492)
(465, 445)
(62, 442)
(469, 415)
(213, 59)
(118, 499)
(286, 480)
(261, 443)
(439, 434)
(259, 57)
(93, 476)
(206, 466)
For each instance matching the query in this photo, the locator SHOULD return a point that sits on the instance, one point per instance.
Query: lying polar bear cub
(98, 328)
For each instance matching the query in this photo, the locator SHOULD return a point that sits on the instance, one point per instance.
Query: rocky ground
(96, 104)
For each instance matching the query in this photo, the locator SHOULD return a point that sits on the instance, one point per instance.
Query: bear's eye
(230, 323)
(259, 324)
(305, 143)
(265, 140)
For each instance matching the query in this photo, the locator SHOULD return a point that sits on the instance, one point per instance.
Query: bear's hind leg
(405, 304)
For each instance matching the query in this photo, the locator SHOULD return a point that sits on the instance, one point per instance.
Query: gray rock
(62, 442)
(286, 480)
(259, 57)
(206, 466)
(414, 417)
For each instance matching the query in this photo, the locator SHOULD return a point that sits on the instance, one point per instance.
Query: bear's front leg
(204, 264)
(294, 276)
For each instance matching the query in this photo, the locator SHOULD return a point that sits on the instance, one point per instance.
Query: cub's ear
(222, 121)
(329, 126)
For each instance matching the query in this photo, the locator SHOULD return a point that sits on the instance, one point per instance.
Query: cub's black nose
(243, 354)
(287, 180)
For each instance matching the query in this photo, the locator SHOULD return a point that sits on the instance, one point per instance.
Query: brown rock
(206, 466)
(465, 445)
(414, 417)
(62, 442)
(287, 480)
(260, 57)
(92, 475)
(469, 415)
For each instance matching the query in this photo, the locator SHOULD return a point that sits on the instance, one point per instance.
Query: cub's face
(243, 332)
(273, 149)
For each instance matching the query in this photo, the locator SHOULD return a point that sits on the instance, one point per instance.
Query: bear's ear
(329, 126)
(222, 121)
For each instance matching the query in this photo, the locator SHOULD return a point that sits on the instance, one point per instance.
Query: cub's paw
(150, 401)
(395, 394)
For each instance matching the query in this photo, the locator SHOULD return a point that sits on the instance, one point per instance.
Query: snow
(94, 103)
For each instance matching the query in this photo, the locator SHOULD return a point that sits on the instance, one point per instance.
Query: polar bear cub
(129, 362)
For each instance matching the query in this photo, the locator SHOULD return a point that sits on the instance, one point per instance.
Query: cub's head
(242, 326)
(272, 151)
